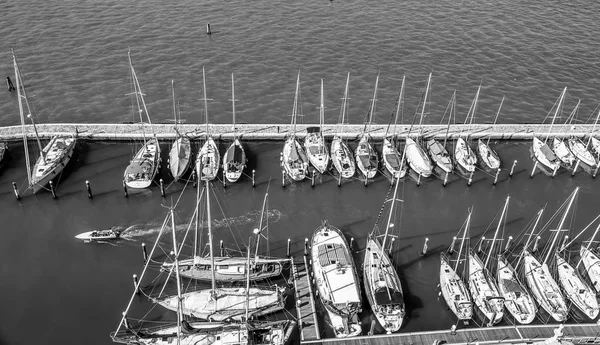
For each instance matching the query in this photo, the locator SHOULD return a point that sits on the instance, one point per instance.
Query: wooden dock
(280, 131)
(305, 303)
(578, 334)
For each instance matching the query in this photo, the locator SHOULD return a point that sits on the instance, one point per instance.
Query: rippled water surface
(74, 56)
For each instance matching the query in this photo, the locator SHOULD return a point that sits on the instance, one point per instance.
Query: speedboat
(99, 235)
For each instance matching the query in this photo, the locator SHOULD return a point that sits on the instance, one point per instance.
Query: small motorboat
(100, 235)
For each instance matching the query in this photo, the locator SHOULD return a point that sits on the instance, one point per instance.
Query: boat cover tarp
(313, 129)
(139, 166)
(547, 151)
(382, 296)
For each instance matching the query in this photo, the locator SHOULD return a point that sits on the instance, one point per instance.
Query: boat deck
(305, 302)
(578, 334)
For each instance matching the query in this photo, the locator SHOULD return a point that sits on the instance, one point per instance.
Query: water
(74, 55)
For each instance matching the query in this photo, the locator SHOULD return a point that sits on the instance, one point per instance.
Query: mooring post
(596, 170)
(283, 178)
(392, 180)
(89, 189)
(52, 189)
(418, 180)
(453, 330)
(564, 244)
(305, 246)
(555, 170)
(125, 189)
(222, 248)
(339, 179)
(372, 329)
(451, 249)
(533, 170)
(512, 169)
(470, 178)
(424, 252)
(445, 179)
(366, 180)
(289, 246)
(312, 179)
(253, 180)
(351, 243)
(575, 168)
(208, 31)
(510, 238)
(162, 187)
(535, 244)
(194, 180)
(391, 246)
(480, 244)
(496, 178)
(135, 284)
(224, 184)
(16, 190)
(144, 253)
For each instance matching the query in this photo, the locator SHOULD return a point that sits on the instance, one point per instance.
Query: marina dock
(280, 131)
(305, 303)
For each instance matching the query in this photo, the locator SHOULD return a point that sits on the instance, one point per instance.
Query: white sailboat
(463, 154)
(181, 149)
(382, 284)
(341, 155)
(393, 161)
(294, 159)
(452, 286)
(438, 152)
(540, 150)
(234, 159)
(336, 279)
(560, 147)
(489, 158)
(208, 159)
(365, 154)
(416, 157)
(591, 261)
(191, 332)
(53, 157)
(580, 149)
(316, 150)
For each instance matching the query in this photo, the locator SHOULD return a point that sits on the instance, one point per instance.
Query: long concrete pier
(280, 131)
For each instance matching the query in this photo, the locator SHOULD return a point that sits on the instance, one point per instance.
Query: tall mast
(175, 115)
(562, 221)
(22, 115)
(138, 95)
(321, 112)
(496, 118)
(344, 106)
(205, 101)
(487, 260)
(233, 105)
(210, 242)
(389, 222)
(462, 240)
(399, 108)
(558, 107)
(248, 279)
(452, 111)
(295, 106)
(537, 220)
(260, 226)
(372, 110)
(473, 109)
(176, 253)
(593, 128)
(196, 237)
(425, 101)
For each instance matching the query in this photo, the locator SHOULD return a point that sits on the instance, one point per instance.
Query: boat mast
(321, 114)
(176, 253)
(248, 278)
(462, 240)
(424, 103)
(389, 222)
(562, 221)
(20, 97)
(344, 106)
(593, 128)
(558, 107)
(210, 245)
(452, 110)
(260, 226)
(399, 108)
(295, 107)
(473, 109)
(372, 110)
(205, 101)
(537, 220)
(589, 244)
(138, 92)
(487, 260)
(233, 105)
(175, 115)
(495, 119)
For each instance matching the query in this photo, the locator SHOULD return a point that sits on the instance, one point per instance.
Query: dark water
(74, 55)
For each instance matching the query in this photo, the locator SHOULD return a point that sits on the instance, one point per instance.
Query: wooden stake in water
(533, 170)
(16, 190)
(451, 249)
(289, 246)
(283, 178)
(555, 170)
(512, 169)
(339, 179)
(253, 180)
(470, 178)
(496, 178)
(424, 252)
(52, 190)
(222, 248)
(89, 189)
(418, 180)
(208, 31)
(445, 179)
(144, 253)
(306, 246)
(575, 168)
(162, 187)
(125, 189)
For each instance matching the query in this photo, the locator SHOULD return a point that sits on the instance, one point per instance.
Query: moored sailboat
(181, 149)
(541, 151)
(336, 279)
(234, 159)
(316, 150)
(208, 159)
(591, 261)
(393, 161)
(293, 157)
(416, 157)
(341, 155)
(489, 158)
(580, 149)
(365, 154)
(463, 154)
(438, 152)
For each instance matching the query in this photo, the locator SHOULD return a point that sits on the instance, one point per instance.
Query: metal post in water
(312, 179)
(564, 244)
(351, 243)
(508, 243)
(596, 170)
(555, 170)
(451, 249)
(162, 187)
(470, 178)
(418, 180)
(372, 329)
(144, 252)
(208, 31)
(512, 169)
(445, 179)
(575, 168)
(16, 190)
(89, 189)
(424, 252)
(52, 190)
(135, 284)
(283, 178)
(224, 181)
(480, 248)
(535, 244)
(306, 246)
(496, 178)
(253, 180)
(533, 170)
(289, 246)
(391, 246)
(222, 248)
(125, 189)
(339, 179)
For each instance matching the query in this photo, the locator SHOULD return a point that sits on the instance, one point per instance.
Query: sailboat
(208, 159)
(415, 155)
(540, 150)
(193, 332)
(517, 299)
(293, 157)
(341, 155)
(366, 156)
(336, 279)
(382, 284)
(591, 261)
(181, 152)
(595, 143)
(438, 152)
(452, 286)
(234, 159)
(560, 146)
(489, 158)
(315, 142)
(145, 164)
(393, 161)
(54, 156)
(232, 269)
(219, 303)
(580, 150)
(463, 154)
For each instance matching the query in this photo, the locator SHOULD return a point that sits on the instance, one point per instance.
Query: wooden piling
(144, 253)
(162, 187)
(125, 189)
(16, 190)
(52, 189)
(89, 189)
(512, 169)
(253, 180)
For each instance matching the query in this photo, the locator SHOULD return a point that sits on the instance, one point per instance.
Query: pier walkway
(305, 302)
(279, 131)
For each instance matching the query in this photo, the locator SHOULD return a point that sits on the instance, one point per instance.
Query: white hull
(58, 152)
(336, 279)
(383, 287)
(591, 262)
(596, 147)
(294, 158)
(229, 304)
(366, 157)
(317, 151)
(392, 160)
(143, 167)
(440, 155)
(98, 235)
(578, 292)
(581, 152)
(234, 169)
(342, 159)
(544, 155)
(484, 291)
(489, 157)
(464, 156)
(544, 288)
(180, 157)
(455, 291)
(208, 161)
(417, 158)
(517, 299)
(562, 152)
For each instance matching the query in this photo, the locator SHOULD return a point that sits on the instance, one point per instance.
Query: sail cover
(139, 166)
(366, 162)
(548, 152)
(383, 297)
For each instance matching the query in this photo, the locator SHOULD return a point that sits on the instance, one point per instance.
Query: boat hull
(58, 153)
(544, 155)
(544, 288)
(440, 156)
(180, 157)
(484, 291)
(591, 262)
(464, 156)
(562, 152)
(341, 157)
(234, 166)
(517, 299)
(98, 235)
(208, 161)
(576, 290)
(489, 158)
(417, 158)
(455, 291)
(143, 167)
(316, 150)
(229, 269)
(581, 152)
(366, 157)
(393, 160)
(294, 160)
